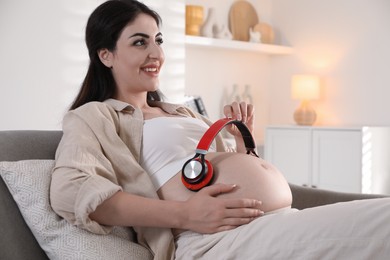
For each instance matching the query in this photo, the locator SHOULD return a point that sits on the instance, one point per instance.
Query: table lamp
(305, 88)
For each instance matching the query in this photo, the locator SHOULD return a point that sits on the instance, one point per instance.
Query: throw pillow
(29, 182)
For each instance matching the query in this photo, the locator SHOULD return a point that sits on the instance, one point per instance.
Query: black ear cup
(197, 173)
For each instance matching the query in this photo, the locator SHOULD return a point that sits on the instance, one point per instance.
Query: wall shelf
(205, 42)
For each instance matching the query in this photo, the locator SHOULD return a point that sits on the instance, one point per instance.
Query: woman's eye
(140, 42)
(159, 41)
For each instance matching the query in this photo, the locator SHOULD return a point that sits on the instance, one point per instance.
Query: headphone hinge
(201, 151)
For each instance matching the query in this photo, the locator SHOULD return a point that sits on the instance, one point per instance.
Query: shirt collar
(173, 109)
(119, 105)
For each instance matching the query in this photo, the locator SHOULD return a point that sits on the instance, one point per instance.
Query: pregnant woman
(120, 158)
(120, 140)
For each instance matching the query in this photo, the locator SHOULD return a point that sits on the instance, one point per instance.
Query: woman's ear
(105, 57)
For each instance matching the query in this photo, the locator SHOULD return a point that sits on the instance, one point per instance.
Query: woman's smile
(152, 70)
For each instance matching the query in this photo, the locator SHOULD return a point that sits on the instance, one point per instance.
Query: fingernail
(259, 213)
(239, 117)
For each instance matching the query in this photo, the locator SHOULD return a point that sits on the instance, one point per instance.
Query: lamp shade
(305, 87)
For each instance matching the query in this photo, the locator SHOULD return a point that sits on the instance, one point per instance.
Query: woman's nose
(156, 52)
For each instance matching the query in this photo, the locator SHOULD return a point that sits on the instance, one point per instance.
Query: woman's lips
(151, 70)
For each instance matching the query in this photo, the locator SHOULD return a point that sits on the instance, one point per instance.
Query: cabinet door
(290, 151)
(337, 160)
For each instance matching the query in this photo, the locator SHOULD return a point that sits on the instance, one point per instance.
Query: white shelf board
(197, 41)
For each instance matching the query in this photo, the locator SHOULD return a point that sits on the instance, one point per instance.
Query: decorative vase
(266, 31)
(210, 24)
(234, 95)
(247, 95)
(222, 33)
(194, 19)
(254, 36)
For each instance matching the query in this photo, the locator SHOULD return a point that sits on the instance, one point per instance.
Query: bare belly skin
(255, 179)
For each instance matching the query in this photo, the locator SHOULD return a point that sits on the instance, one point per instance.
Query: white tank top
(168, 142)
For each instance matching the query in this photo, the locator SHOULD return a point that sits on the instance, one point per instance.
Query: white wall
(44, 58)
(347, 44)
(172, 79)
(215, 78)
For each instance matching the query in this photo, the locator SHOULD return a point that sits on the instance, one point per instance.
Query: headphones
(197, 172)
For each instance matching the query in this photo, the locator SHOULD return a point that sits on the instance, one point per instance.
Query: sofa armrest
(304, 197)
(16, 240)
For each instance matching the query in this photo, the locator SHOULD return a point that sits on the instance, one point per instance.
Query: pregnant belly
(255, 179)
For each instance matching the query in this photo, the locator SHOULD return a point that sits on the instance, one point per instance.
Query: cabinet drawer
(337, 160)
(290, 152)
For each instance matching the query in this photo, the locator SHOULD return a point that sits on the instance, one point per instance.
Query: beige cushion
(29, 182)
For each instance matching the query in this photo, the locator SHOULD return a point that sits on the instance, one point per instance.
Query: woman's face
(138, 58)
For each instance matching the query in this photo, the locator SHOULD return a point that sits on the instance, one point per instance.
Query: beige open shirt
(99, 155)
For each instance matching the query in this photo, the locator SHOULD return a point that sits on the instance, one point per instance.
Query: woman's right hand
(209, 214)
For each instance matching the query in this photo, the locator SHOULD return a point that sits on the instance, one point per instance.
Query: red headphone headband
(197, 172)
(211, 133)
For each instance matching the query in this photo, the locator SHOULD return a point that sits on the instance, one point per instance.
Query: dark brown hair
(104, 27)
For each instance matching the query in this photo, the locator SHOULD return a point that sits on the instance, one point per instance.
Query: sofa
(18, 239)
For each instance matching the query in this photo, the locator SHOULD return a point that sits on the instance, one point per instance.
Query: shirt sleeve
(83, 177)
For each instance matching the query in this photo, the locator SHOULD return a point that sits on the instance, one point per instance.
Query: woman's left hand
(243, 112)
